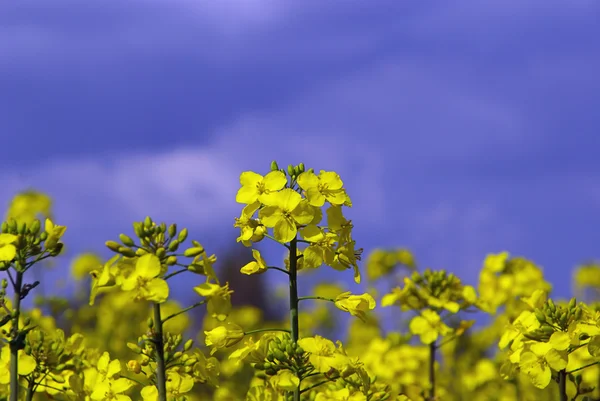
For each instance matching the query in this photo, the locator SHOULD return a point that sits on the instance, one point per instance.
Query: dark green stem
(314, 386)
(562, 384)
(247, 333)
(314, 297)
(432, 349)
(278, 268)
(168, 276)
(161, 374)
(293, 273)
(30, 390)
(184, 310)
(14, 346)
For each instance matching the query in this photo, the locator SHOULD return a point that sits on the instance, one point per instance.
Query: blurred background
(459, 128)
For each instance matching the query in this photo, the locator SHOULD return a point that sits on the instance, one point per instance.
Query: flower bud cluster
(283, 353)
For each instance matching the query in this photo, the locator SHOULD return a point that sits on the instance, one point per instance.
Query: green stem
(184, 310)
(30, 390)
(247, 333)
(562, 384)
(278, 268)
(168, 276)
(432, 371)
(583, 367)
(314, 297)
(275, 239)
(314, 386)
(14, 346)
(161, 374)
(293, 273)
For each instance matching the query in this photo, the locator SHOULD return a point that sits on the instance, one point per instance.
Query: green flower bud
(162, 228)
(138, 228)
(22, 228)
(551, 305)
(4, 283)
(161, 252)
(290, 170)
(177, 355)
(188, 345)
(147, 222)
(274, 166)
(113, 246)
(171, 260)
(150, 322)
(572, 304)
(126, 240)
(128, 252)
(172, 230)
(540, 316)
(173, 245)
(280, 355)
(134, 347)
(191, 252)
(4, 227)
(301, 167)
(35, 227)
(43, 236)
(190, 362)
(182, 235)
(140, 252)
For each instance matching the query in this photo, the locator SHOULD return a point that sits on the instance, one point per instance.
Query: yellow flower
(219, 299)
(327, 186)
(7, 249)
(323, 354)
(108, 390)
(356, 305)
(340, 395)
(285, 380)
(54, 232)
(258, 265)
(256, 187)
(321, 248)
(538, 361)
(284, 210)
(428, 326)
(104, 279)
(27, 364)
(223, 337)
(144, 280)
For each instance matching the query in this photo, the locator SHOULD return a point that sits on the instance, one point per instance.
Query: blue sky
(460, 128)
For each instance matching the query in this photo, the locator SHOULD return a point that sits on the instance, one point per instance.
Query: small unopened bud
(172, 230)
(274, 166)
(113, 246)
(126, 240)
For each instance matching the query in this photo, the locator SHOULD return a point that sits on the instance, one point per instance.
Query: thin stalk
(161, 377)
(432, 349)
(316, 298)
(14, 347)
(30, 390)
(249, 332)
(562, 384)
(189, 308)
(293, 273)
